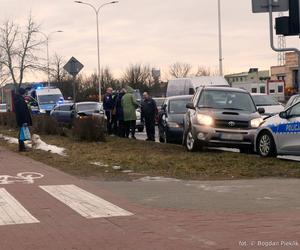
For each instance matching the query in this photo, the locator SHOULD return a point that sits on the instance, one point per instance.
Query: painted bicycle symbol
(25, 177)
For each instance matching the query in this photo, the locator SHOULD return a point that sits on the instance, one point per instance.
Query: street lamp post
(47, 37)
(220, 39)
(97, 11)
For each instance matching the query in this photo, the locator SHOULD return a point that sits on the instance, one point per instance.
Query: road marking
(86, 204)
(26, 178)
(12, 212)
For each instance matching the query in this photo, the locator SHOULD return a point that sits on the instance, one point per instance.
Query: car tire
(191, 144)
(265, 145)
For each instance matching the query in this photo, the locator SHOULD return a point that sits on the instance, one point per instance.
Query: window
(295, 111)
(280, 89)
(272, 91)
(254, 90)
(262, 89)
(65, 108)
(241, 79)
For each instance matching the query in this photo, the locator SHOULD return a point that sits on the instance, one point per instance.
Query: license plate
(232, 137)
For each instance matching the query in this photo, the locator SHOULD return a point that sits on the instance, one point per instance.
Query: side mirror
(261, 111)
(283, 115)
(190, 105)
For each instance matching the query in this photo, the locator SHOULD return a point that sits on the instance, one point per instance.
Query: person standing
(108, 105)
(120, 114)
(149, 112)
(129, 105)
(23, 116)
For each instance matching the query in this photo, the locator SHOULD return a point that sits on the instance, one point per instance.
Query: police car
(280, 134)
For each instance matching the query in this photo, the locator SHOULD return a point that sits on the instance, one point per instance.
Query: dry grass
(156, 160)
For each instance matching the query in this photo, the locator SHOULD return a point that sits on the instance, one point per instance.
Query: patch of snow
(127, 171)
(265, 198)
(157, 179)
(116, 167)
(99, 164)
(37, 143)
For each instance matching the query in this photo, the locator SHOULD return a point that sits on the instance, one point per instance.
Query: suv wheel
(191, 144)
(265, 145)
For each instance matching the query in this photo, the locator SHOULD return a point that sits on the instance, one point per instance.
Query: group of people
(120, 109)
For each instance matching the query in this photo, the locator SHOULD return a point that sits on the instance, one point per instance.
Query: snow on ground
(36, 143)
(158, 179)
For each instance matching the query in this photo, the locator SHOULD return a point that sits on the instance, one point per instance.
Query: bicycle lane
(60, 225)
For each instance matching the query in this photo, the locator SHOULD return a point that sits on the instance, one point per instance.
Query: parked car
(159, 103)
(224, 117)
(280, 134)
(269, 103)
(171, 119)
(66, 113)
(293, 100)
(3, 108)
(139, 124)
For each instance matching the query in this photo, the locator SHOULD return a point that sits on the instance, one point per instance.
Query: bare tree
(57, 72)
(107, 79)
(179, 70)
(19, 48)
(138, 76)
(205, 71)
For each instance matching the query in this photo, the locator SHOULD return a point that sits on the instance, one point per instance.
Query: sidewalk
(58, 219)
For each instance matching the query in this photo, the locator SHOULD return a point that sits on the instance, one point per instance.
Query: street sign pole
(73, 67)
(270, 5)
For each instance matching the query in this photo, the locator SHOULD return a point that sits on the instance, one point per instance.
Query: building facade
(287, 72)
(252, 76)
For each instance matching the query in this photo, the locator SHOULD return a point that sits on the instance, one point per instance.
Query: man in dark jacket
(120, 114)
(149, 112)
(108, 106)
(23, 115)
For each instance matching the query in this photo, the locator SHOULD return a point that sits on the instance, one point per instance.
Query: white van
(47, 98)
(189, 86)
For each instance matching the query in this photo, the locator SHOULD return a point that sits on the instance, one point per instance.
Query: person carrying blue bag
(23, 118)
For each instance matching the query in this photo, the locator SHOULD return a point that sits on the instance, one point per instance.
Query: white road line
(86, 204)
(12, 212)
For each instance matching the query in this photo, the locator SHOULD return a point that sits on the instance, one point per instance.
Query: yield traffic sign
(73, 66)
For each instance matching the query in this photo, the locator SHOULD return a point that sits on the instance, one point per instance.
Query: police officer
(149, 112)
(108, 105)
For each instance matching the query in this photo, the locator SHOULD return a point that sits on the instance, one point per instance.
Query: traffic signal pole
(283, 49)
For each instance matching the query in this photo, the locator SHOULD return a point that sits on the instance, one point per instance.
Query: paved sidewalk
(61, 227)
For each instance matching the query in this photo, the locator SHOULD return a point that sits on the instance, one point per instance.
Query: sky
(154, 32)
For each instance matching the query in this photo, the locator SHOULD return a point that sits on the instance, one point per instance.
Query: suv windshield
(225, 99)
(178, 106)
(49, 99)
(264, 100)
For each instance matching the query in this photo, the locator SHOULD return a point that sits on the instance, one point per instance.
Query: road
(53, 210)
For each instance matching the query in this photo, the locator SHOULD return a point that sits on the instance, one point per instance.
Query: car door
(65, 113)
(288, 133)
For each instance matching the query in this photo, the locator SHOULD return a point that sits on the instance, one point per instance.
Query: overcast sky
(153, 32)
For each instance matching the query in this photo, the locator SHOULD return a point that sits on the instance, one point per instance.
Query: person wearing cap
(23, 116)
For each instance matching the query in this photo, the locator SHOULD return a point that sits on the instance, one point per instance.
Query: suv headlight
(255, 123)
(205, 120)
(42, 111)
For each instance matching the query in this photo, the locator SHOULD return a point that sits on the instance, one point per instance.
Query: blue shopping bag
(25, 134)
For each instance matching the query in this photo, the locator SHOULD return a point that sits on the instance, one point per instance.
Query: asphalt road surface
(43, 208)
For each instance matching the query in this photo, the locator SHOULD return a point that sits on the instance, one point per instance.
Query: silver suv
(221, 116)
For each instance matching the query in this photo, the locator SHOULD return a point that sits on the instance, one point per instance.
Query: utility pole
(220, 39)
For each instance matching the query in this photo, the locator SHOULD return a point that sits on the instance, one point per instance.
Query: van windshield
(230, 100)
(49, 99)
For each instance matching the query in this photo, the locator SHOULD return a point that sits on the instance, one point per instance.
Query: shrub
(8, 119)
(45, 124)
(90, 129)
